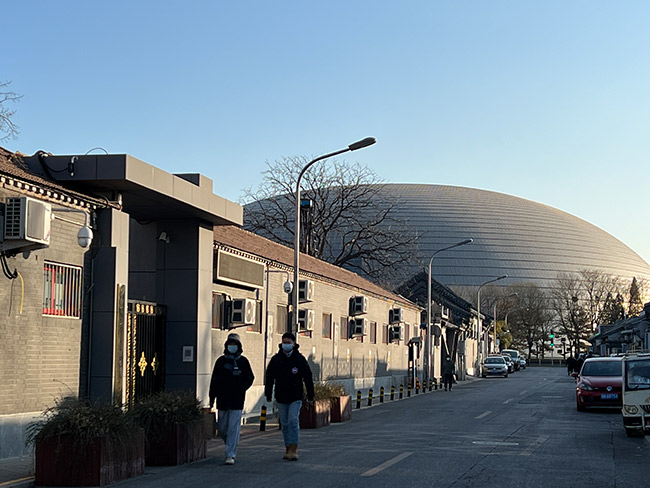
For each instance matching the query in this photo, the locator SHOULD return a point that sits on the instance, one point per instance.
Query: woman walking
(231, 377)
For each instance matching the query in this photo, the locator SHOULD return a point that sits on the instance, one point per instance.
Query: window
(385, 339)
(62, 290)
(282, 320)
(327, 326)
(373, 332)
(345, 329)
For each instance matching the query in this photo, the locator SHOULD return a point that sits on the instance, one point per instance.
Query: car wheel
(580, 408)
(630, 432)
(483, 376)
(505, 375)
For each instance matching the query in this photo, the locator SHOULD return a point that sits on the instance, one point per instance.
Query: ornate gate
(145, 354)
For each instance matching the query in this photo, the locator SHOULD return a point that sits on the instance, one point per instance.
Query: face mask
(287, 347)
(232, 349)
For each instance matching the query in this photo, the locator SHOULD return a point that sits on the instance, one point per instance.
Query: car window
(494, 361)
(601, 368)
(638, 375)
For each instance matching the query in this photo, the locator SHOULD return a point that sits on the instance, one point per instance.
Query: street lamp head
(368, 141)
(466, 241)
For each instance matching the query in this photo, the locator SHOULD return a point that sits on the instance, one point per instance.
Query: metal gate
(145, 356)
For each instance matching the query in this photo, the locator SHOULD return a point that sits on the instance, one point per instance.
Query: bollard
(431, 385)
(417, 387)
(401, 391)
(263, 418)
(370, 397)
(381, 395)
(359, 399)
(392, 392)
(436, 381)
(408, 390)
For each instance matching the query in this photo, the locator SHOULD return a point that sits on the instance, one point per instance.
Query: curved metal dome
(528, 241)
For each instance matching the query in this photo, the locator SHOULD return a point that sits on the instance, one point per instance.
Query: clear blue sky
(546, 100)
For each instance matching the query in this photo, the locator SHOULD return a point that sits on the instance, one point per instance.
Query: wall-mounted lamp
(85, 234)
(164, 237)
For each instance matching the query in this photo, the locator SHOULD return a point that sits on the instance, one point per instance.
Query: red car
(599, 383)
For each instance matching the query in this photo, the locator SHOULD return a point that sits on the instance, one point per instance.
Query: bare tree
(346, 223)
(530, 317)
(635, 302)
(570, 303)
(7, 126)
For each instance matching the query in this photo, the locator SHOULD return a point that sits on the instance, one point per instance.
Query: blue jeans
(290, 421)
(229, 425)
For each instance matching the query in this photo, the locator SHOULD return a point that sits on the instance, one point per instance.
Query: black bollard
(263, 418)
(359, 399)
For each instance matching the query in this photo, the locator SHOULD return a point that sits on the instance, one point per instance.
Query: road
(521, 431)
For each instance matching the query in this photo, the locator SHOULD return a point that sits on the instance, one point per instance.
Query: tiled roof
(243, 240)
(12, 166)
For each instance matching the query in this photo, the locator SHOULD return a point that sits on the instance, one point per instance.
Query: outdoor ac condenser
(358, 327)
(26, 224)
(306, 290)
(394, 316)
(243, 311)
(305, 319)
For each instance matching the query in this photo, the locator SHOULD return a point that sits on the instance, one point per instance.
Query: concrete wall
(350, 362)
(39, 355)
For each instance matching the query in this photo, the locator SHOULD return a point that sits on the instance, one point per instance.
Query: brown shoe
(293, 452)
(286, 454)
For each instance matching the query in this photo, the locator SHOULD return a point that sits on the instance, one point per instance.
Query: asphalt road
(521, 431)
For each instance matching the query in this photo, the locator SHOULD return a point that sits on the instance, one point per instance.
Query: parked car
(514, 355)
(636, 394)
(599, 383)
(495, 366)
(509, 362)
(522, 362)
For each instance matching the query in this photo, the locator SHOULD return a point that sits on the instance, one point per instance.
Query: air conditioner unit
(243, 311)
(444, 312)
(26, 224)
(305, 290)
(305, 320)
(358, 305)
(358, 327)
(395, 333)
(394, 316)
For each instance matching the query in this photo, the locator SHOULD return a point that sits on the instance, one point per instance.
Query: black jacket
(231, 377)
(288, 374)
(448, 367)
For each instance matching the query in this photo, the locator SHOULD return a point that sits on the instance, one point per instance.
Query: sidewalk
(18, 472)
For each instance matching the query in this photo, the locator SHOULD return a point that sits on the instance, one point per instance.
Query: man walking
(447, 371)
(231, 377)
(288, 370)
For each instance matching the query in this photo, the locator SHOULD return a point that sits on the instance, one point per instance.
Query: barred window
(62, 290)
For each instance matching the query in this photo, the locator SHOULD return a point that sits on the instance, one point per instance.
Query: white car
(495, 366)
(522, 362)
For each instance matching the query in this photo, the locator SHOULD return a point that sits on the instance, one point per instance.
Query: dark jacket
(231, 377)
(288, 373)
(448, 367)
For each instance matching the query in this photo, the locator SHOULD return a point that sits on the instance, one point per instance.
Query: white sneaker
(230, 460)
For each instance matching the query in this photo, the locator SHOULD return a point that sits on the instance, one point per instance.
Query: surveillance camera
(288, 287)
(85, 237)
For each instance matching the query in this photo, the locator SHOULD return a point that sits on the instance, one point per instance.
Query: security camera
(288, 287)
(85, 237)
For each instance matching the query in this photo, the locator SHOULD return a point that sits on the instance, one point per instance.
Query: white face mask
(232, 349)
(287, 347)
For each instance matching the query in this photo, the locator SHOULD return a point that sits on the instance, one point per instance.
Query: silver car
(495, 366)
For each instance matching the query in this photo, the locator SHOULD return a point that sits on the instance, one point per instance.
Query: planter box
(59, 462)
(180, 444)
(315, 415)
(341, 408)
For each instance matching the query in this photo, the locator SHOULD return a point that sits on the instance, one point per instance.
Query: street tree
(345, 221)
(8, 128)
(635, 305)
(570, 303)
(530, 319)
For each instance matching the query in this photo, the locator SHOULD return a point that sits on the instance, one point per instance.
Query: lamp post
(495, 314)
(427, 344)
(480, 325)
(368, 141)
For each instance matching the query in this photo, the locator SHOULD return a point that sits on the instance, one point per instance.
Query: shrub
(157, 412)
(323, 391)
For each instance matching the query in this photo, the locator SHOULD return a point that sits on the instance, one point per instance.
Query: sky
(542, 99)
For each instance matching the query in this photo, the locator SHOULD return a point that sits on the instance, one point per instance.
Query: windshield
(494, 361)
(637, 375)
(601, 368)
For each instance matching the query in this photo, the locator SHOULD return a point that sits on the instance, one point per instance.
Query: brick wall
(39, 355)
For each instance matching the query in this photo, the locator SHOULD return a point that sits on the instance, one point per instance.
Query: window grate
(62, 290)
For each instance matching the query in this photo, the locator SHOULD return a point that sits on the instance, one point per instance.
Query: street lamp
(480, 325)
(495, 314)
(427, 345)
(368, 141)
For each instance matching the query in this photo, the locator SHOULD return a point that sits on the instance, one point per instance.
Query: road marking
(16, 481)
(524, 392)
(387, 464)
(484, 414)
(508, 401)
(540, 440)
(495, 443)
(551, 396)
